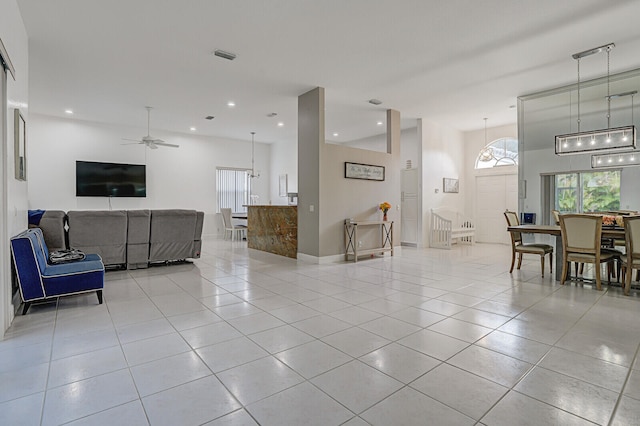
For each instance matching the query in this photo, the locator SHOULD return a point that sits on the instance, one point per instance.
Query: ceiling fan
(149, 140)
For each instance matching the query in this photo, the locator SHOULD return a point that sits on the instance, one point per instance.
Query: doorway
(494, 195)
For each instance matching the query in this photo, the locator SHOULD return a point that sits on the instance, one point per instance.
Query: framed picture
(282, 185)
(363, 171)
(20, 145)
(450, 185)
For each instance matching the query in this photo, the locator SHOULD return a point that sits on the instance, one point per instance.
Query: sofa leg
(26, 308)
(99, 294)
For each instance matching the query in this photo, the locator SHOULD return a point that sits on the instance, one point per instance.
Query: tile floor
(242, 338)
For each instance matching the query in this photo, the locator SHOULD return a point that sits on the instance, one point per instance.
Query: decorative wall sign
(450, 185)
(20, 145)
(363, 171)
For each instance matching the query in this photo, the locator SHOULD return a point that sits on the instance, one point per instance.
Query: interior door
(494, 195)
(409, 206)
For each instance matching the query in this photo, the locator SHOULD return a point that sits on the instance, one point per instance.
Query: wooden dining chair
(581, 236)
(556, 216)
(519, 248)
(631, 259)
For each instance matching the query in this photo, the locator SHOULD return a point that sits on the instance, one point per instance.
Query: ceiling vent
(226, 55)
(209, 117)
(374, 101)
(272, 114)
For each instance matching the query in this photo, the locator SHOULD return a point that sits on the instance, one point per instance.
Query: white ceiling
(452, 62)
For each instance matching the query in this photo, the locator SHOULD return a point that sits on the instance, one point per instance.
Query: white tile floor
(241, 337)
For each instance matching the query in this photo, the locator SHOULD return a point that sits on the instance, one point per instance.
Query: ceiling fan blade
(170, 145)
(132, 140)
(132, 143)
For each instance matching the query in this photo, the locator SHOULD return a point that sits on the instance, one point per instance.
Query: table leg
(559, 255)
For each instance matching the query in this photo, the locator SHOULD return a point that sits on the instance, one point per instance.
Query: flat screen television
(95, 179)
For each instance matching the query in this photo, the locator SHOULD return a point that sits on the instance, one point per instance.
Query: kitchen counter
(273, 229)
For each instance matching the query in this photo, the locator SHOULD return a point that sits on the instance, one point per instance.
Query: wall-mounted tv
(95, 179)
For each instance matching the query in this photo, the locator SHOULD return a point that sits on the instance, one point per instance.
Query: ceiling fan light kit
(150, 141)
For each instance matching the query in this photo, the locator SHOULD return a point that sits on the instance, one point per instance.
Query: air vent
(375, 101)
(226, 55)
(272, 114)
(209, 117)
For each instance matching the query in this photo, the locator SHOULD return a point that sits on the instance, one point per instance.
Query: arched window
(501, 152)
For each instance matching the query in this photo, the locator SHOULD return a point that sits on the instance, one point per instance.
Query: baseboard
(336, 258)
(306, 258)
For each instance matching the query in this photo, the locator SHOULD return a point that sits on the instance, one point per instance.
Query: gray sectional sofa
(131, 238)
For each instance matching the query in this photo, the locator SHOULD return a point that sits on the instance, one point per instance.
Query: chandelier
(603, 140)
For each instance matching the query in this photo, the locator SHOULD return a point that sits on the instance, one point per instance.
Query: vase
(384, 216)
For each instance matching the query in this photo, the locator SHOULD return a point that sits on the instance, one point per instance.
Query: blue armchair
(38, 280)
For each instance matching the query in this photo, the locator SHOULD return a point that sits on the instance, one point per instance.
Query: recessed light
(231, 104)
(379, 123)
(68, 111)
(336, 135)
(280, 124)
(193, 129)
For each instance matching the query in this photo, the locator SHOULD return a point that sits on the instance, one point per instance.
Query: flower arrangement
(385, 207)
(613, 221)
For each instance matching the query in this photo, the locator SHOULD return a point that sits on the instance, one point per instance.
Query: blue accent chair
(38, 280)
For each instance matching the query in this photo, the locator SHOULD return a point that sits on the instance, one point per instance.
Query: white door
(494, 195)
(409, 207)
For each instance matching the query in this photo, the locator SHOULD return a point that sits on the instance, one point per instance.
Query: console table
(351, 238)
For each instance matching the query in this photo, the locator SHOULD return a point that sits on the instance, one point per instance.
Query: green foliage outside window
(600, 191)
(587, 192)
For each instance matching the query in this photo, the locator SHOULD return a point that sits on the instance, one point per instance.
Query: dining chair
(519, 248)
(581, 243)
(631, 259)
(229, 227)
(556, 216)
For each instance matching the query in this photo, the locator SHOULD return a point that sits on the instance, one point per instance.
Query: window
(501, 152)
(233, 187)
(587, 192)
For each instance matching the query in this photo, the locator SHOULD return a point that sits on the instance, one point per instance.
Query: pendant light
(604, 140)
(253, 147)
(486, 153)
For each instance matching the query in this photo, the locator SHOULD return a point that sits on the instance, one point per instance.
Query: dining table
(615, 233)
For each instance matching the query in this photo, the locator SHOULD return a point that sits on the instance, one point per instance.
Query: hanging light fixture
(622, 159)
(609, 139)
(486, 153)
(253, 146)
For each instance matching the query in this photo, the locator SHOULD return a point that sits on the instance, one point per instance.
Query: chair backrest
(29, 260)
(581, 233)
(226, 217)
(556, 216)
(512, 220)
(632, 236)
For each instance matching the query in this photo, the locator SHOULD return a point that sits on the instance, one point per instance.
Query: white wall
(443, 153)
(176, 177)
(284, 160)
(14, 217)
